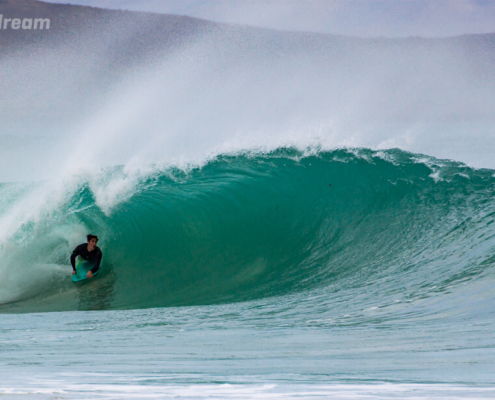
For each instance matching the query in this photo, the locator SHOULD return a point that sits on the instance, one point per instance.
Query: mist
(363, 18)
(227, 89)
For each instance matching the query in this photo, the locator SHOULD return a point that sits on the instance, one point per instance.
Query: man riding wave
(88, 252)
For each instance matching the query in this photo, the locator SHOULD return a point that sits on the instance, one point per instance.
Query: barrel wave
(350, 228)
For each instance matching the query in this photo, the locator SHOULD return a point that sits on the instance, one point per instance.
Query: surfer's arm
(73, 256)
(98, 256)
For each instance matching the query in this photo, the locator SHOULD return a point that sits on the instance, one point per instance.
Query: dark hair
(90, 236)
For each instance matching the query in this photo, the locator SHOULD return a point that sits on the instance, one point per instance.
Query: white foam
(130, 390)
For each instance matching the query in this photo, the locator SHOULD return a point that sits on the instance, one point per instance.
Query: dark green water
(356, 224)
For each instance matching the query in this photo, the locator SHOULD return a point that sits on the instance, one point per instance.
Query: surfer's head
(92, 240)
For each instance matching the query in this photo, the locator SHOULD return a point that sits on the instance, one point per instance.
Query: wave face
(349, 227)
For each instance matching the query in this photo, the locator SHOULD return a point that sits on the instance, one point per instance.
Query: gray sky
(367, 18)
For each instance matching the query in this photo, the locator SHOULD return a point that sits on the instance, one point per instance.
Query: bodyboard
(82, 269)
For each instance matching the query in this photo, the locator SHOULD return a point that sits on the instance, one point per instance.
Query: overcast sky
(368, 18)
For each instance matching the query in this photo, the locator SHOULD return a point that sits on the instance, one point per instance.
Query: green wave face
(353, 225)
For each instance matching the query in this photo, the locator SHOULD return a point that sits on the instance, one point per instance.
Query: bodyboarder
(88, 252)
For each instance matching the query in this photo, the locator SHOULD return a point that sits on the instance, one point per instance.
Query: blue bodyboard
(82, 269)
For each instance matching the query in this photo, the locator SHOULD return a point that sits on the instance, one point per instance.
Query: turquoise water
(289, 274)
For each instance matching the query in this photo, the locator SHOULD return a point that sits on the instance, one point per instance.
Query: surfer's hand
(89, 274)
(73, 272)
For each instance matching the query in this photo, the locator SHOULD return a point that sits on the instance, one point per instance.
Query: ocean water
(282, 215)
(291, 273)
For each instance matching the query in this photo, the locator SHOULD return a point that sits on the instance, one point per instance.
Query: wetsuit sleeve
(73, 256)
(98, 257)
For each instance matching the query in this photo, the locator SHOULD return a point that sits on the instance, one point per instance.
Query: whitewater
(272, 227)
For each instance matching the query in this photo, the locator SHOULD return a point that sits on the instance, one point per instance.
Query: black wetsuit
(93, 256)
